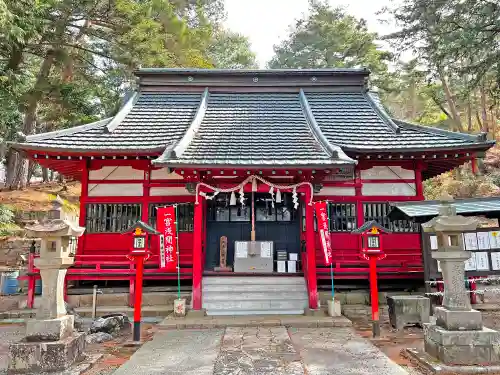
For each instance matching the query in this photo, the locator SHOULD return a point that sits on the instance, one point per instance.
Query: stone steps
(254, 295)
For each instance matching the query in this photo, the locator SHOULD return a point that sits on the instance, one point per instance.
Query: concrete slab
(340, 351)
(187, 352)
(298, 321)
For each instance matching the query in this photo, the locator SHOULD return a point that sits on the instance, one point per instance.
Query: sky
(266, 22)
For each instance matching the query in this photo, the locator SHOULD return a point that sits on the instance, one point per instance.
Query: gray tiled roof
(356, 122)
(489, 207)
(242, 127)
(155, 121)
(254, 129)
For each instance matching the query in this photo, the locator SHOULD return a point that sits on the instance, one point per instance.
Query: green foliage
(7, 224)
(230, 50)
(68, 62)
(330, 38)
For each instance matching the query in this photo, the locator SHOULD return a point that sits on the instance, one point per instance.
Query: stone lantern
(51, 343)
(458, 337)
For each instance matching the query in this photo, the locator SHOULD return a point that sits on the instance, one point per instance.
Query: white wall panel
(168, 191)
(389, 189)
(337, 190)
(116, 173)
(115, 190)
(387, 173)
(162, 174)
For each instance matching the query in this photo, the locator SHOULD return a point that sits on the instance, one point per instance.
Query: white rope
(250, 179)
(484, 280)
(479, 291)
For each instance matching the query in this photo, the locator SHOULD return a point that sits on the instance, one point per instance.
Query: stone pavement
(259, 351)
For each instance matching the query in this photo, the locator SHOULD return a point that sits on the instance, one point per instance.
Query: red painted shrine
(244, 153)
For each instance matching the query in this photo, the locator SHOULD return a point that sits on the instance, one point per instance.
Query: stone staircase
(254, 295)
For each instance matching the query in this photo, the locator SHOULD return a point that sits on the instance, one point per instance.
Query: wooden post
(311, 253)
(374, 296)
(197, 253)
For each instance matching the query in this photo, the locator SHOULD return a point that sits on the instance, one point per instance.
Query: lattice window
(342, 217)
(379, 212)
(185, 215)
(111, 217)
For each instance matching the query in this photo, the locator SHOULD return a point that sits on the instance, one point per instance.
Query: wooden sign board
(223, 256)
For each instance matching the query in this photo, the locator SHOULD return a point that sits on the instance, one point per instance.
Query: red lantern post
(140, 235)
(371, 249)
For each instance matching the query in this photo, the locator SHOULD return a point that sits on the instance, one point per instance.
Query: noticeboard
(484, 245)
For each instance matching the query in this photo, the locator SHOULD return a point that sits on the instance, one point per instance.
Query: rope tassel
(232, 202)
(278, 196)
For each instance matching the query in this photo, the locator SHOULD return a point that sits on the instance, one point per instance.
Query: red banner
(166, 225)
(324, 230)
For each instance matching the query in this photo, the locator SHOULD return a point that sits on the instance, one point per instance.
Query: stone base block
(50, 329)
(458, 320)
(180, 307)
(39, 357)
(223, 269)
(334, 308)
(463, 347)
(431, 366)
(196, 313)
(313, 312)
(408, 310)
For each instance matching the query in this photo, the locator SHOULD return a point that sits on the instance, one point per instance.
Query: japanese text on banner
(324, 230)
(166, 225)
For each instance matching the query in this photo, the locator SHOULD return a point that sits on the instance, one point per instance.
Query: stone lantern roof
(54, 228)
(448, 220)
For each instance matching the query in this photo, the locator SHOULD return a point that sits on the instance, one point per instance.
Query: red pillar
(311, 253)
(473, 162)
(374, 296)
(138, 297)
(83, 200)
(419, 186)
(145, 196)
(360, 217)
(197, 252)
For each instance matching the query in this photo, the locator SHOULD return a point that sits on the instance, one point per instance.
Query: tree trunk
(455, 116)
(31, 169)
(469, 116)
(45, 174)
(484, 113)
(18, 171)
(413, 100)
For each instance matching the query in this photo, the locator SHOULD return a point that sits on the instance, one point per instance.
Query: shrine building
(244, 153)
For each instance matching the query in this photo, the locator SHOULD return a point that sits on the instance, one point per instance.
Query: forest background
(68, 62)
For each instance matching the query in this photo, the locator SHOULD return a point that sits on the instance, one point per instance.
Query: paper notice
(494, 240)
(482, 262)
(495, 261)
(282, 266)
(241, 250)
(265, 250)
(470, 264)
(470, 240)
(434, 242)
(292, 266)
(483, 240)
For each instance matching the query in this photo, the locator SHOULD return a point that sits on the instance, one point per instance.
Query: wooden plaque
(223, 256)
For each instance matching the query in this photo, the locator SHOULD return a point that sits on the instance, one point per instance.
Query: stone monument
(458, 336)
(51, 342)
(223, 257)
